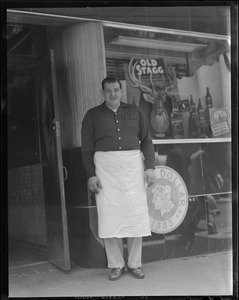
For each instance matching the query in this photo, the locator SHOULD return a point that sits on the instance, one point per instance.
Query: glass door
(54, 193)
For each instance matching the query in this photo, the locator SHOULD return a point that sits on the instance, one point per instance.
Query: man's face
(112, 94)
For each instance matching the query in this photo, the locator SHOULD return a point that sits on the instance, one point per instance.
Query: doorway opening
(26, 48)
(37, 223)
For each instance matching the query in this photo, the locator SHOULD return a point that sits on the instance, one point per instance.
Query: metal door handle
(65, 174)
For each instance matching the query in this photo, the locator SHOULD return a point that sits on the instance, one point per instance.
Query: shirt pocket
(130, 121)
(130, 114)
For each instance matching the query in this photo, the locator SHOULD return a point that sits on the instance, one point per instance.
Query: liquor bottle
(201, 119)
(192, 124)
(200, 112)
(176, 121)
(208, 99)
(192, 106)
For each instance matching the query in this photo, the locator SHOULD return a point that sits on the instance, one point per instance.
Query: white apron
(121, 203)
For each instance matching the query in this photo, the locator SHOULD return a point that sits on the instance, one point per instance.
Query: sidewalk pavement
(209, 275)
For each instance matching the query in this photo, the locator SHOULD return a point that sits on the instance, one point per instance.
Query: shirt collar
(105, 107)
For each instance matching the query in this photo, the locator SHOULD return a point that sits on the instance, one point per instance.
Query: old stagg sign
(167, 200)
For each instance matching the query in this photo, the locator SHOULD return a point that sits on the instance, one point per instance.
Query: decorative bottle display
(176, 121)
(192, 126)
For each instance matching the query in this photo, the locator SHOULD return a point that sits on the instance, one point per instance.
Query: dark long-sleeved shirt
(106, 130)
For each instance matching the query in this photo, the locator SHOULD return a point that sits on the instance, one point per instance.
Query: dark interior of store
(25, 53)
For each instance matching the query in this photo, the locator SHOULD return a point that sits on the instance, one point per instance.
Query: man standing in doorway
(118, 156)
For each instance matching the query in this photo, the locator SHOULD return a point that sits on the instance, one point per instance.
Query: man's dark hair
(110, 79)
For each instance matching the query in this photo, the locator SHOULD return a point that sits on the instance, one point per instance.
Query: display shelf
(191, 141)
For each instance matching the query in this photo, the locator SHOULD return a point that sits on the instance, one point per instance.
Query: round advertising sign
(167, 200)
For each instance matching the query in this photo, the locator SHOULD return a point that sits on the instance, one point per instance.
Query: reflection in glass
(205, 168)
(186, 237)
(220, 224)
(219, 158)
(207, 228)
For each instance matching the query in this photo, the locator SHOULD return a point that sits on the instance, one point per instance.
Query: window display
(180, 80)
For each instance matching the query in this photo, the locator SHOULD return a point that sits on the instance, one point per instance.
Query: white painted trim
(191, 141)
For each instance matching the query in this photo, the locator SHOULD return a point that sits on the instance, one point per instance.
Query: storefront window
(182, 83)
(180, 80)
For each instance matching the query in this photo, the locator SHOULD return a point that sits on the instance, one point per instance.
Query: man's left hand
(149, 176)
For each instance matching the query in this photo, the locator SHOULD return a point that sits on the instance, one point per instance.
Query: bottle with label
(192, 126)
(201, 112)
(201, 119)
(208, 100)
(176, 121)
(192, 106)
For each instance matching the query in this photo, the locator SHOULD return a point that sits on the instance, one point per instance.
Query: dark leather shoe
(116, 273)
(137, 272)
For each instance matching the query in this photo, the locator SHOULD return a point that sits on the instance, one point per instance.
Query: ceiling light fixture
(156, 44)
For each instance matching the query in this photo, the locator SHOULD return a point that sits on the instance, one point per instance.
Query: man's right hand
(94, 184)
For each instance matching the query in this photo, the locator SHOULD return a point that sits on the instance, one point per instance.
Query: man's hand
(149, 176)
(94, 184)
